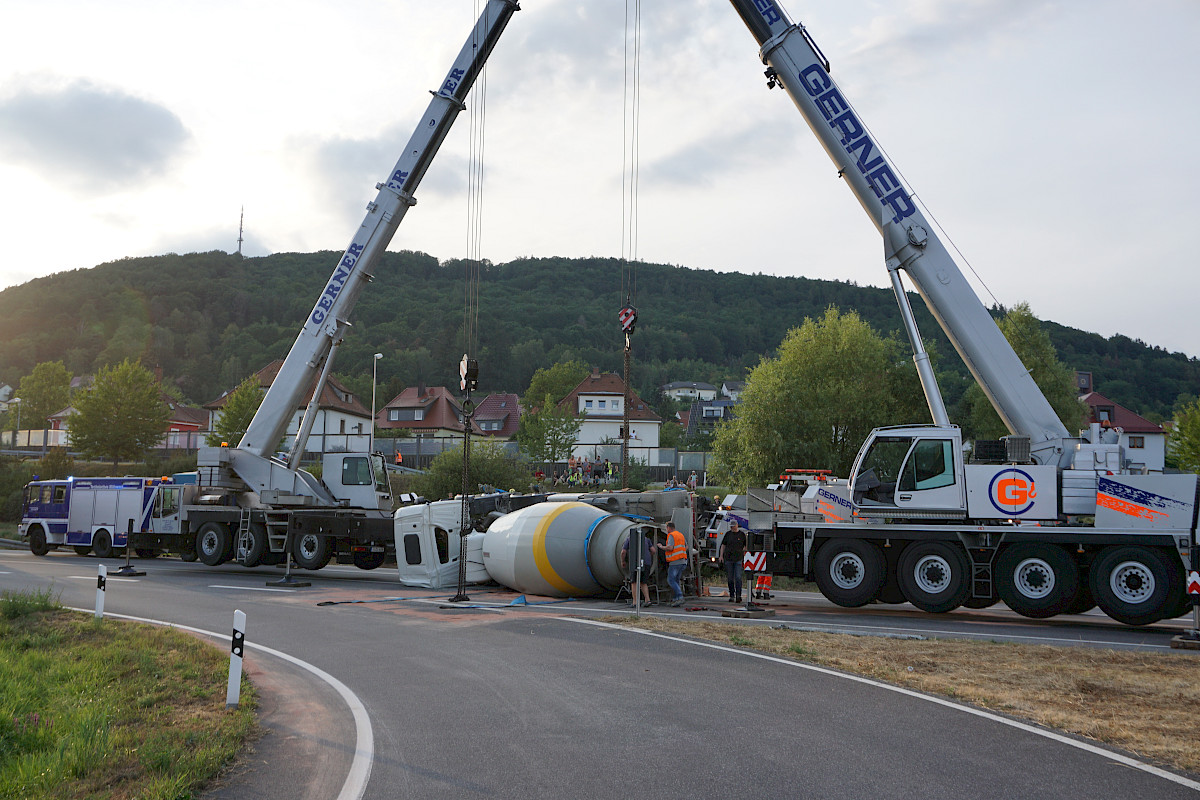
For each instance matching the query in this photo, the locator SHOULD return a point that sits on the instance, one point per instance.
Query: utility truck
(247, 502)
(1044, 520)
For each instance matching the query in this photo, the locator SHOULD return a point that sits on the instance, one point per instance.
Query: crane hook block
(628, 318)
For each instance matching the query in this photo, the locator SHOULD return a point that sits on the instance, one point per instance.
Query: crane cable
(631, 120)
(473, 267)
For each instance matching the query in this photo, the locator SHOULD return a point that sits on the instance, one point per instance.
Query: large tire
(364, 559)
(1132, 584)
(37, 541)
(1180, 603)
(102, 544)
(849, 572)
(188, 556)
(311, 551)
(214, 543)
(256, 545)
(1037, 580)
(82, 549)
(1083, 600)
(935, 576)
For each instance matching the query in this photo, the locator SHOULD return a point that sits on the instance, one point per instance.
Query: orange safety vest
(676, 549)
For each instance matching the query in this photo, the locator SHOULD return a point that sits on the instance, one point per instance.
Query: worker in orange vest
(675, 550)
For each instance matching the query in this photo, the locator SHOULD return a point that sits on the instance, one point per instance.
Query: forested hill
(210, 319)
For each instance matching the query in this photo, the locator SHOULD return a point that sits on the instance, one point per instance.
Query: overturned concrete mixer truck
(559, 545)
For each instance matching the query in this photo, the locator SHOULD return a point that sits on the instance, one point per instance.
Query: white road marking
(249, 588)
(1118, 757)
(364, 748)
(109, 578)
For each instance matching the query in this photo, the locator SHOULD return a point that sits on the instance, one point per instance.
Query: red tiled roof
(334, 396)
(441, 410)
(608, 383)
(503, 407)
(1119, 416)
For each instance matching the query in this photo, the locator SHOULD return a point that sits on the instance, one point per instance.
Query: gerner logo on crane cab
(1013, 491)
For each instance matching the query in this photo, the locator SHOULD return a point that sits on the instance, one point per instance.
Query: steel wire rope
(630, 150)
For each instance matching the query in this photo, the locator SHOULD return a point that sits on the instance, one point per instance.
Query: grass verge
(1140, 702)
(108, 709)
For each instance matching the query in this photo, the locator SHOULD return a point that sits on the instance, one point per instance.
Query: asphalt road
(492, 700)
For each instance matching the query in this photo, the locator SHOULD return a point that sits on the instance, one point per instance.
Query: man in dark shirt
(733, 547)
(631, 567)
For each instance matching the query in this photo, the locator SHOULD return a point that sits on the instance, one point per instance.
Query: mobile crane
(249, 503)
(1046, 521)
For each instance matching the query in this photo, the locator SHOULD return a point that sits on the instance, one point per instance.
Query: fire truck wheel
(102, 544)
(1037, 580)
(1133, 584)
(214, 543)
(255, 543)
(311, 551)
(364, 559)
(37, 541)
(849, 572)
(935, 576)
(82, 550)
(188, 556)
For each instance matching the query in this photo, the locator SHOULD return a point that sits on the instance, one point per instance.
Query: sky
(1052, 141)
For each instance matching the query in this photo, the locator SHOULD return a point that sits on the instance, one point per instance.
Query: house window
(342, 426)
(602, 402)
(1137, 442)
(405, 414)
(587, 403)
(712, 411)
(1104, 414)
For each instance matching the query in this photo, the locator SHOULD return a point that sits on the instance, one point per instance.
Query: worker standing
(733, 547)
(676, 555)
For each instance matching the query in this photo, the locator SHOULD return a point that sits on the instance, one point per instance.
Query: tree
(44, 391)
(240, 407)
(1056, 381)
(812, 405)
(549, 434)
(556, 382)
(1183, 443)
(490, 466)
(121, 416)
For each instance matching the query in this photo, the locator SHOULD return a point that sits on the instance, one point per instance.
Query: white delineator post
(236, 648)
(101, 579)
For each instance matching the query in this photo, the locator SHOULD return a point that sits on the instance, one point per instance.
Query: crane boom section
(797, 64)
(329, 315)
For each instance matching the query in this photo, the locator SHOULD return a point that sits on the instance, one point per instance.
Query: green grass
(8, 530)
(108, 709)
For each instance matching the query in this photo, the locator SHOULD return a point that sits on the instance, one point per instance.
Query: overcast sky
(1053, 141)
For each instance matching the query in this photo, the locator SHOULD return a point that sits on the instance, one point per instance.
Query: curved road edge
(1121, 758)
(359, 774)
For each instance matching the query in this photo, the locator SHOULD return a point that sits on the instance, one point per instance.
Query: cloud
(88, 137)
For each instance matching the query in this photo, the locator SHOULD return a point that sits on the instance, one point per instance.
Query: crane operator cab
(358, 480)
(910, 471)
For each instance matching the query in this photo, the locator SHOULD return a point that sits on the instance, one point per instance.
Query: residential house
(733, 390)
(430, 412)
(599, 399)
(689, 390)
(498, 415)
(704, 415)
(1145, 443)
(342, 424)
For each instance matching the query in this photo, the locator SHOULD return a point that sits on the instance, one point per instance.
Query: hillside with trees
(208, 320)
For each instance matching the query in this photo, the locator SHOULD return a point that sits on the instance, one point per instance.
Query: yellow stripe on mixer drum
(539, 552)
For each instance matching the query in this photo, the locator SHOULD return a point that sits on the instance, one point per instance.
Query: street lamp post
(374, 371)
(17, 432)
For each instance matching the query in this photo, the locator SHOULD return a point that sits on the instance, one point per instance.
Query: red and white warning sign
(754, 562)
(1193, 582)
